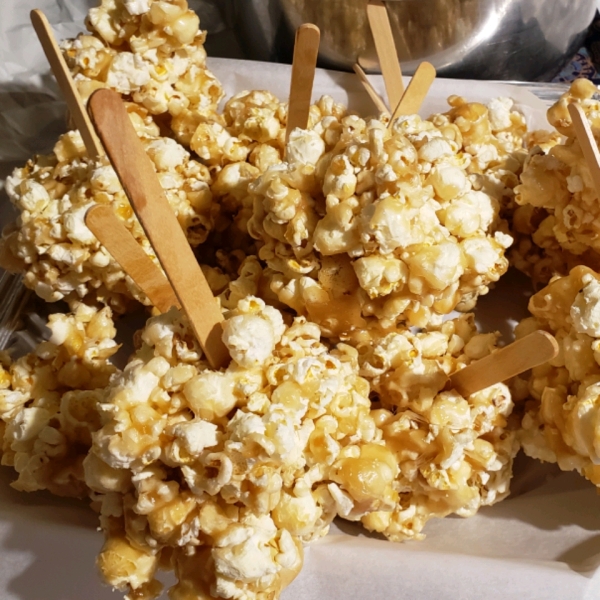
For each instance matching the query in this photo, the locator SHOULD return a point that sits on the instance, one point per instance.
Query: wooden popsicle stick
(306, 51)
(586, 140)
(416, 90)
(113, 235)
(534, 349)
(375, 97)
(140, 182)
(67, 85)
(386, 50)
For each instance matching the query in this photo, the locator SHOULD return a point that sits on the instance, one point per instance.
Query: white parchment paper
(543, 543)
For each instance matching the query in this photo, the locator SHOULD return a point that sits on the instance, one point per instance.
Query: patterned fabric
(586, 63)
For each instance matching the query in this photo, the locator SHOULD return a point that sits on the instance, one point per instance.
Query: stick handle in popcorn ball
(67, 85)
(142, 186)
(123, 247)
(375, 97)
(386, 50)
(534, 349)
(306, 50)
(586, 140)
(416, 90)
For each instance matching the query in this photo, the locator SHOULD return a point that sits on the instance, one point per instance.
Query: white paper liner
(541, 544)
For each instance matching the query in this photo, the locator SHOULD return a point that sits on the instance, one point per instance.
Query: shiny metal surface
(527, 40)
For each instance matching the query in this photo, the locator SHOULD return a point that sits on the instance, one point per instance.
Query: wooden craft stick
(113, 235)
(306, 50)
(416, 90)
(534, 349)
(377, 99)
(67, 85)
(586, 140)
(386, 50)
(141, 184)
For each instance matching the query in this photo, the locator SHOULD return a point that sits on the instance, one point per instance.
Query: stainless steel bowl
(527, 40)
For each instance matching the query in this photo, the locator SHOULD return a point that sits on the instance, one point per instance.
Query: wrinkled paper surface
(543, 543)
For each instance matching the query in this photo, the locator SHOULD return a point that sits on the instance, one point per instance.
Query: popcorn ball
(152, 52)
(561, 414)
(494, 136)
(52, 246)
(454, 454)
(251, 129)
(387, 225)
(49, 398)
(238, 148)
(558, 204)
(223, 474)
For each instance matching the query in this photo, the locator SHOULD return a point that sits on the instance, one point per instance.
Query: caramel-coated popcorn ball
(558, 205)
(387, 224)
(560, 424)
(151, 51)
(226, 472)
(50, 243)
(49, 398)
(251, 128)
(454, 454)
(249, 138)
(494, 136)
